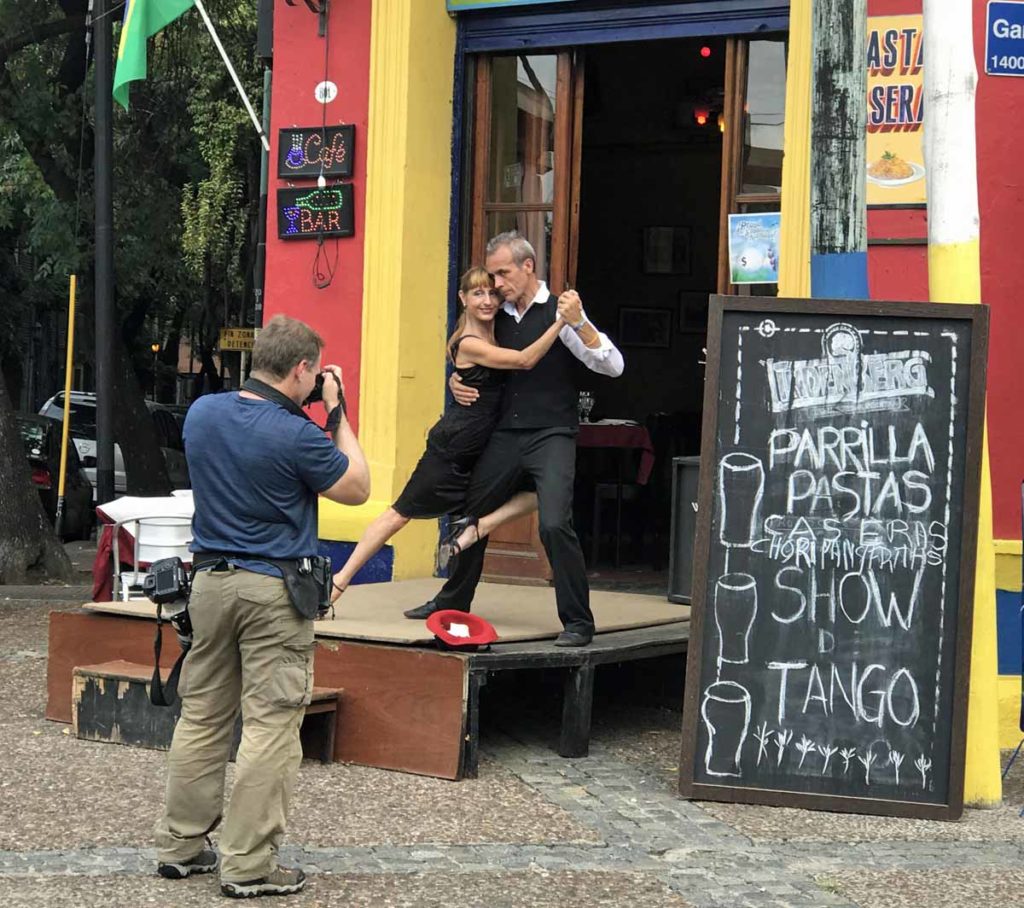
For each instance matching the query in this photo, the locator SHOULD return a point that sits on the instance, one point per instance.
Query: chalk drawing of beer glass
(735, 608)
(740, 490)
(726, 714)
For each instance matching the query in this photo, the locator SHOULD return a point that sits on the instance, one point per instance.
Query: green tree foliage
(186, 171)
(186, 184)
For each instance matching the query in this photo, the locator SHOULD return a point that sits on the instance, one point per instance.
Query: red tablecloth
(595, 435)
(103, 565)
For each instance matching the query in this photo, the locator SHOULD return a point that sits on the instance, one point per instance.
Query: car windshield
(83, 417)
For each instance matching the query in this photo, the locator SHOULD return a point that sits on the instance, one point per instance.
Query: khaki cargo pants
(250, 648)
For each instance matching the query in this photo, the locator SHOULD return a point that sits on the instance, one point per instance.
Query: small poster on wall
(895, 156)
(754, 248)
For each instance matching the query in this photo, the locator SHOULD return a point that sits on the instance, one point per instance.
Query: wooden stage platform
(407, 705)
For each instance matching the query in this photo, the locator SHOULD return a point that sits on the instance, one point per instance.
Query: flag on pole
(142, 18)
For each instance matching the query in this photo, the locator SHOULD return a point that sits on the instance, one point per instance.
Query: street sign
(1004, 38)
(237, 338)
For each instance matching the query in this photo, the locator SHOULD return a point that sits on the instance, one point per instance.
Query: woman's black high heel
(449, 550)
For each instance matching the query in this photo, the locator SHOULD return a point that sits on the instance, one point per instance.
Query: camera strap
(269, 392)
(161, 694)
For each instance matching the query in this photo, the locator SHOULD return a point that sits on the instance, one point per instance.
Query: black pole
(105, 321)
(265, 53)
(261, 225)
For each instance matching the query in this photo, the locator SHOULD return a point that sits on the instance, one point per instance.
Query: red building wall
(301, 59)
(901, 271)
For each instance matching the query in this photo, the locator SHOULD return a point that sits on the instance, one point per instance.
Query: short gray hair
(282, 344)
(517, 244)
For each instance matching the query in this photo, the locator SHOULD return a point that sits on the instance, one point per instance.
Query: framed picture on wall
(639, 327)
(666, 250)
(693, 311)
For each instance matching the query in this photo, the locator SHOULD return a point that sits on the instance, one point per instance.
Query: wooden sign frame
(977, 316)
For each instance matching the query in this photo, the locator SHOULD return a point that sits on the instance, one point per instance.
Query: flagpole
(234, 75)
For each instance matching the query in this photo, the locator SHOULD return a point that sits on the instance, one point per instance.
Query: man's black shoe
(571, 638)
(204, 862)
(422, 612)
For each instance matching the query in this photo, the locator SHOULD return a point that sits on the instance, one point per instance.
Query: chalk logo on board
(845, 377)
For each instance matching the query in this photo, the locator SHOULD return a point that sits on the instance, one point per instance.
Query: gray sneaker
(204, 862)
(282, 881)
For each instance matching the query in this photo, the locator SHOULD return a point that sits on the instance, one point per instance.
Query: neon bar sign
(311, 213)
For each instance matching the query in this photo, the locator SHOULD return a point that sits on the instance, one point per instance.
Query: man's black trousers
(548, 456)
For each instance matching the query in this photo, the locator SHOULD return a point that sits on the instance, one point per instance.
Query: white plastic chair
(155, 537)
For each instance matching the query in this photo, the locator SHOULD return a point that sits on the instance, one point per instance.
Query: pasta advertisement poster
(895, 154)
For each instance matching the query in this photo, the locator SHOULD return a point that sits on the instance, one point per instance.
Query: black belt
(307, 580)
(201, 560)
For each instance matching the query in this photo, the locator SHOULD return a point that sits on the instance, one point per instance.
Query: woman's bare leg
(519, 505)
(372, 541)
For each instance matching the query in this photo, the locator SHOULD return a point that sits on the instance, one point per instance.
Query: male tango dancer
(536, 433)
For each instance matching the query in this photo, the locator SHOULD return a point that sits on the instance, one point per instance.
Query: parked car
(41, 438)
(167, 423)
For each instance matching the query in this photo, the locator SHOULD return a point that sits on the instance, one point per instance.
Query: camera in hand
(317, 392)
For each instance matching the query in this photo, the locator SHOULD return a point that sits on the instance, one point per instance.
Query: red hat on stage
(461, 630)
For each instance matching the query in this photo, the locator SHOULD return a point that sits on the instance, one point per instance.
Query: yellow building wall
(405, 272)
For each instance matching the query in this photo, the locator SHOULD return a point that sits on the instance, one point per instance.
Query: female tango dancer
(439, 483)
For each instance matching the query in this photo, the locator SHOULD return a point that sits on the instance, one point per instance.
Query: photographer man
(257, 464)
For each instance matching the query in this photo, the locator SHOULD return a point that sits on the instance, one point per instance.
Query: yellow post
(795, 230)
(66, 425)
(954, 276)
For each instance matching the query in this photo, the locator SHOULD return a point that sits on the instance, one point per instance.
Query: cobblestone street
(533, 829)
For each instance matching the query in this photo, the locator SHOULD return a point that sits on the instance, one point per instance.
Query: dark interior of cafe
(648, 257)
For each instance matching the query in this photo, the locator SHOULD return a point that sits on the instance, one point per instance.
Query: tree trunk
(28, 546)
(146, 472)
(839, 266)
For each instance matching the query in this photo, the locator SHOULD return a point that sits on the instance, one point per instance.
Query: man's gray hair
(517, 244)
(282, 344)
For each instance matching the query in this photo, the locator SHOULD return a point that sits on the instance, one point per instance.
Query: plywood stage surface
(373, 611)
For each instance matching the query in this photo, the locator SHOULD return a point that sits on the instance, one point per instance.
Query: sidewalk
(533, 830)
(77, 589)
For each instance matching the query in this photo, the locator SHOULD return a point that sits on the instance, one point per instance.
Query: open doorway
(650, 200)
(621, 164)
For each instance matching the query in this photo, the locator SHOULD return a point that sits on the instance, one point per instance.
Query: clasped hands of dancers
(479, 454)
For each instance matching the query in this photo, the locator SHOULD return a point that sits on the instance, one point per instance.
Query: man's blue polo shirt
(256, 470)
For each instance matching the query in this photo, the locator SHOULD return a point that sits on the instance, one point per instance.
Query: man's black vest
(545, 396)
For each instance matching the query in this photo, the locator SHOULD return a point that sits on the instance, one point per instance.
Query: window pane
(521, 168)
(534, 225)
(763, 117)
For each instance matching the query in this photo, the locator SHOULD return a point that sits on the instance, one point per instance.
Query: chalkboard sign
(306, 152)
(309, 212)
(834, 563)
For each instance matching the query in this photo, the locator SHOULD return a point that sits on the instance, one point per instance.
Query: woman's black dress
(439, 483)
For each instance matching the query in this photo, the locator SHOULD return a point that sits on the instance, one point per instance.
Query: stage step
(110, 702)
